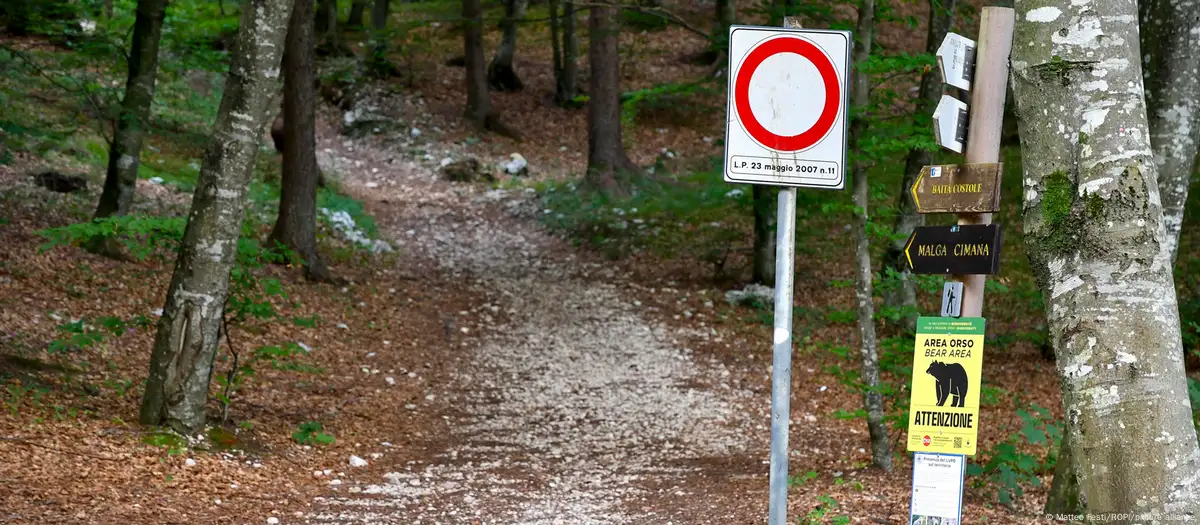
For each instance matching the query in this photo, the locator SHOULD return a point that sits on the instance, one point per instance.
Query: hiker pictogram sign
(947, 372)
(788, 97)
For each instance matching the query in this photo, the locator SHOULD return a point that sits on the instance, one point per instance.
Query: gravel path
(577, 409)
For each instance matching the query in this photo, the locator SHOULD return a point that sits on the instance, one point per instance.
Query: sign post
(948, 354)
(786, 126)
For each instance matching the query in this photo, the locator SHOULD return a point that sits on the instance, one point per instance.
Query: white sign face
(937, 489)
(786, 119)
(950, 123)
(956, 60)
(952, 298)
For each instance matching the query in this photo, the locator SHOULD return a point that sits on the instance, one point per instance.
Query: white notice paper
(937, 489)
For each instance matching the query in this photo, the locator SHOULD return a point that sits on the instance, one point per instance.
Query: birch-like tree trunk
(120, 182)
(188, 332)
(609, 167)
(903, 295)
(1170, 38)
(1096, 241)
(296, 224)
(864, 31)
(500, 73)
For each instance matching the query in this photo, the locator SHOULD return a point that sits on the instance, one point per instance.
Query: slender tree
(378, 62)
(1095, 237)
(864, 31)
(479, 102)
(1170, 40)
(326, 23)
(565, 46)
(120, 181)
(181, 364)
(500, 73)
(355, 19)
(904, 294)
(295, 226)
(609, 167)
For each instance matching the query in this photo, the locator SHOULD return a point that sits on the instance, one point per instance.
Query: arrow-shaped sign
(969, 188)
(950, 123)
(971, 249)
(956, 60)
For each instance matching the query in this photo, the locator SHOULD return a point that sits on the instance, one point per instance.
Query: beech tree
(864, 32)
(295, 226)
(609, 167)
(1098, 246)
(941, 18)
(479, 101)
(185, 345)
(120, 180)
(1170, 40)
(500, 73)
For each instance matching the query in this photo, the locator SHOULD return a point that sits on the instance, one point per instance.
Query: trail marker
(952, 292)
(959, 250)
(956, 60)
(969, 188)
(786, 123)
(947, 373)
(950, 123)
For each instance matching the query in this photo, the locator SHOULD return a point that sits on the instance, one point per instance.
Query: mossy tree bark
(181, 364)
(864, 31)
(902, 295)
(120, 181)
(1096, 241)
(295, 226)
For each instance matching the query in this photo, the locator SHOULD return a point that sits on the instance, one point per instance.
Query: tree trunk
(501, 75)
(120, 182)
(762, 264)
(355, 20)
(326, 24)
(108, 10)
(609, 168)
(295, 227)
(1170, 39)
(903, 294)
(881, 455)
(181, 364)
(726, 12)
(566, 87)
(1097, 245)
(479, 102)
(1064, 490)
(378, 63)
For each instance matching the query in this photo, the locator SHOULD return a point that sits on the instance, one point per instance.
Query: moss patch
(1058, 224)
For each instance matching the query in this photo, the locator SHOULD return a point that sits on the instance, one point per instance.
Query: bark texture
(500, 73)
(1097, 244)
(326, 23)
(762, 264)
(355, 18)
(181, 364)
(295, 226)
(565, 44)
(609, 167)
(881, 455)
(479, 102)
(1170, 39)
(903, 295)
(1064, 490)
(120, 181)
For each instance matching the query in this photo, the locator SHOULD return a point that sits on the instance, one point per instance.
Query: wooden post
(988, 89)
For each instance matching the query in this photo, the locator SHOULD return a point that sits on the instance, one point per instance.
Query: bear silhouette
(951, 379)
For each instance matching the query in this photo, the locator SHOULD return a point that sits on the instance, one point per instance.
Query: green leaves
(312, 433)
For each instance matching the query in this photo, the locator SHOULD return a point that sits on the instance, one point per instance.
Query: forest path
(575, 407)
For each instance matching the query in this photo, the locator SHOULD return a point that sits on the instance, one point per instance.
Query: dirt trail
(577, 409)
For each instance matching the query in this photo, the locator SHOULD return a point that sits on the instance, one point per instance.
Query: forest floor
(503, 364)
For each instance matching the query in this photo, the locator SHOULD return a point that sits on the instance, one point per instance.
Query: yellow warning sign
(947, 373)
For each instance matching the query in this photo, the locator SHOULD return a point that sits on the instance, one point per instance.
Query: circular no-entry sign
(829, 110)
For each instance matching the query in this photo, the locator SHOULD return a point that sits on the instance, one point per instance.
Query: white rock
(157, 312)
(390, 380)
(189, 462)
(316, 473)
(343, 326)
(410, 406)
(156, 180)
(272, 521)
(516, 164)
(356, 461)
(415, 132)
(372, 184)
(335, 482)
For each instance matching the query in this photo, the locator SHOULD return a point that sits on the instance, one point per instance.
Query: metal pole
(988, 89)
(781, 369)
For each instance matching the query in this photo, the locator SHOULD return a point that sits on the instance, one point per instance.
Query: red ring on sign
(833, 96)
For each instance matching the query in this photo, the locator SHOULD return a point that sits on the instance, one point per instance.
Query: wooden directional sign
(971, 249)
(956, 60)
(950, 123)
(970, 188)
